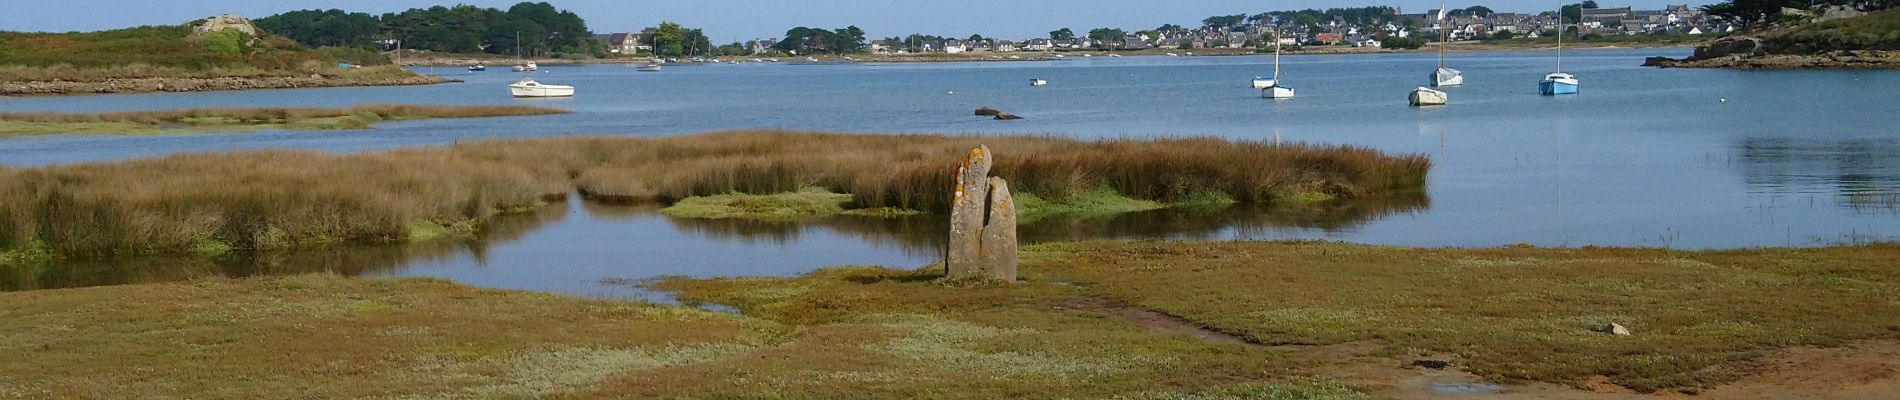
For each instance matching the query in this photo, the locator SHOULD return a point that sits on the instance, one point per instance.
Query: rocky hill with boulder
(1835, 39)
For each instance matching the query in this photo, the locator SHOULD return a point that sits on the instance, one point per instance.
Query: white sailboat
(1271, 88)
(1038, 82)
(1558, 82)
(1445, 76)
(650, 67)
(527, 87)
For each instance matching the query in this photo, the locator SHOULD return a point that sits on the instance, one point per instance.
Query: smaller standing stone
(1615, 329)
(999, 233)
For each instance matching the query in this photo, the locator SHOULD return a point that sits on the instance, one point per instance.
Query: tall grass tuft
(281, 199)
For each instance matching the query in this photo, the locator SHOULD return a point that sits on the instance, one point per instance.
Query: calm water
(1644, 157)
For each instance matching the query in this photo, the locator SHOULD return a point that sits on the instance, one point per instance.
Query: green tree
(1478, 11)
(1224, 21)
(1062, 34)
(670, 40)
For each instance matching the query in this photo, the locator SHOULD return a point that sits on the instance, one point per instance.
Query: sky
(734, 20)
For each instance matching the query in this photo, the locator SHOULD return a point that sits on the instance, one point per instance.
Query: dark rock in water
(1006, 117)
(1433, 364)
(987, 112)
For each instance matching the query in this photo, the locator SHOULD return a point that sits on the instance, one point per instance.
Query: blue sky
(728, 20)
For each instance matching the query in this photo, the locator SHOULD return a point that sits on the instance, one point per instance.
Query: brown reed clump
(251, 115)
(279, 199)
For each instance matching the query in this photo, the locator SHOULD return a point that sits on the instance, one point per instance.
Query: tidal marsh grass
(278, 115)
(202, 120)
(280, 199)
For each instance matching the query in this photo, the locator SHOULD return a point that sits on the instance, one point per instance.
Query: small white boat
(1115, 55)
(1037, 82)
(1447, 77)
(527, 87)
(477, 68)
(650, 68)
(1424, 96)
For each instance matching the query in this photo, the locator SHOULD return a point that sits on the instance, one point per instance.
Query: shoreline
(1022, 56)
(181, 85)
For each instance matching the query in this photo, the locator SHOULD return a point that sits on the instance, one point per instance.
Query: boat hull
(1447, 77)
(1262, 84)
(541, 91)
(1423, 97)
(1277, 92)
(1553, 87)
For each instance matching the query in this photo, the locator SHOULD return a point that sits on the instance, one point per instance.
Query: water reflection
(1861, 175)
(592, 249)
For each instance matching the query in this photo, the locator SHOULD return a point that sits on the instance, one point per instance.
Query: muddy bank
(145, 85)
(1861, 60)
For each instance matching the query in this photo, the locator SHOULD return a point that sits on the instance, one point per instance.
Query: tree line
(541, 28)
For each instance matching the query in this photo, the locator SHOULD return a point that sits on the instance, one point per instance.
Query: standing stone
(999, 233)
(982, 223)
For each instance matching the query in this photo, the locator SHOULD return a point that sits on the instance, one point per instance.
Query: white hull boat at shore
(528, 88)
(650, 68)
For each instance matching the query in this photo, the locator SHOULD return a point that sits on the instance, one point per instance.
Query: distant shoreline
(229, 83)
(463, 60)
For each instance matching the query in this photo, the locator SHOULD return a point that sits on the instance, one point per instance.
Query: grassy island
(1139, 320)
(183, 58)
(208, 120)
(270, 200)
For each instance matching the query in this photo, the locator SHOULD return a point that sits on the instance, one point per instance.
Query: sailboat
(1445, 76)
(528, 87)
(1558, 82)
(1271, 88)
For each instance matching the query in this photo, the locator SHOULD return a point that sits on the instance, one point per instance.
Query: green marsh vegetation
(1511, 315)
(204, 120)
(274, 200)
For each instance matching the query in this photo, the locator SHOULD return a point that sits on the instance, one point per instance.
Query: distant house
(1040, 45)
(761, 46)
(1005, 45)
(1133, 42)
(1364, 41)
(623, 43)
(1608, 14)
(1328, 38)
(955, 46)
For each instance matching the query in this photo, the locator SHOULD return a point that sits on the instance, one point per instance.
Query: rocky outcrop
(982, 223)
(987, 112)
(1007, 117)
(223, 22)
(1852, 59)
(139, 85)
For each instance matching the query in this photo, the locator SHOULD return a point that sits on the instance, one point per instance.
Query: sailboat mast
(1276, 55)
(1560, 37)
(1443, 28)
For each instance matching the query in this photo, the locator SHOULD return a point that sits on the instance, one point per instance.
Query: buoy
(1724, 99)
(953, 92)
